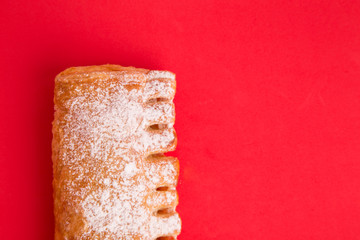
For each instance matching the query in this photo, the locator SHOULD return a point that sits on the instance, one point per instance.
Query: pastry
(111, 128)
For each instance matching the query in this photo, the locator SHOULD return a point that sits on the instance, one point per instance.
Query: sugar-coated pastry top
(111, 126)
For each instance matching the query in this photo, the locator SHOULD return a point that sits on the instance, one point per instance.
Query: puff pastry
(111, 127)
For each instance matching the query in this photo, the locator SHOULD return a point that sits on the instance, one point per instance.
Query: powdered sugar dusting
(161, 74)
(130, 170)
(104, 134)
(165, 226)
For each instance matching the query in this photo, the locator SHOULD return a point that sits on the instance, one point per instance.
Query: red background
(268, 108)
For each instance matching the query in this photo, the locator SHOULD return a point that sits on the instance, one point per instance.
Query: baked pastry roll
(111, 179)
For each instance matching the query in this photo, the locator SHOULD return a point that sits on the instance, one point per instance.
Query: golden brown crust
(100, 68)
(110, 127)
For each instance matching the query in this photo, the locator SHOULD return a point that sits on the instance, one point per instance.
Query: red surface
(268, 108)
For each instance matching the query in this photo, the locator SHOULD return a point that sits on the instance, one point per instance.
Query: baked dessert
(111, 129)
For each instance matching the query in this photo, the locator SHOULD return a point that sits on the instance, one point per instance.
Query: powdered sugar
(130, 170)
(104, 139)
(161, 74)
